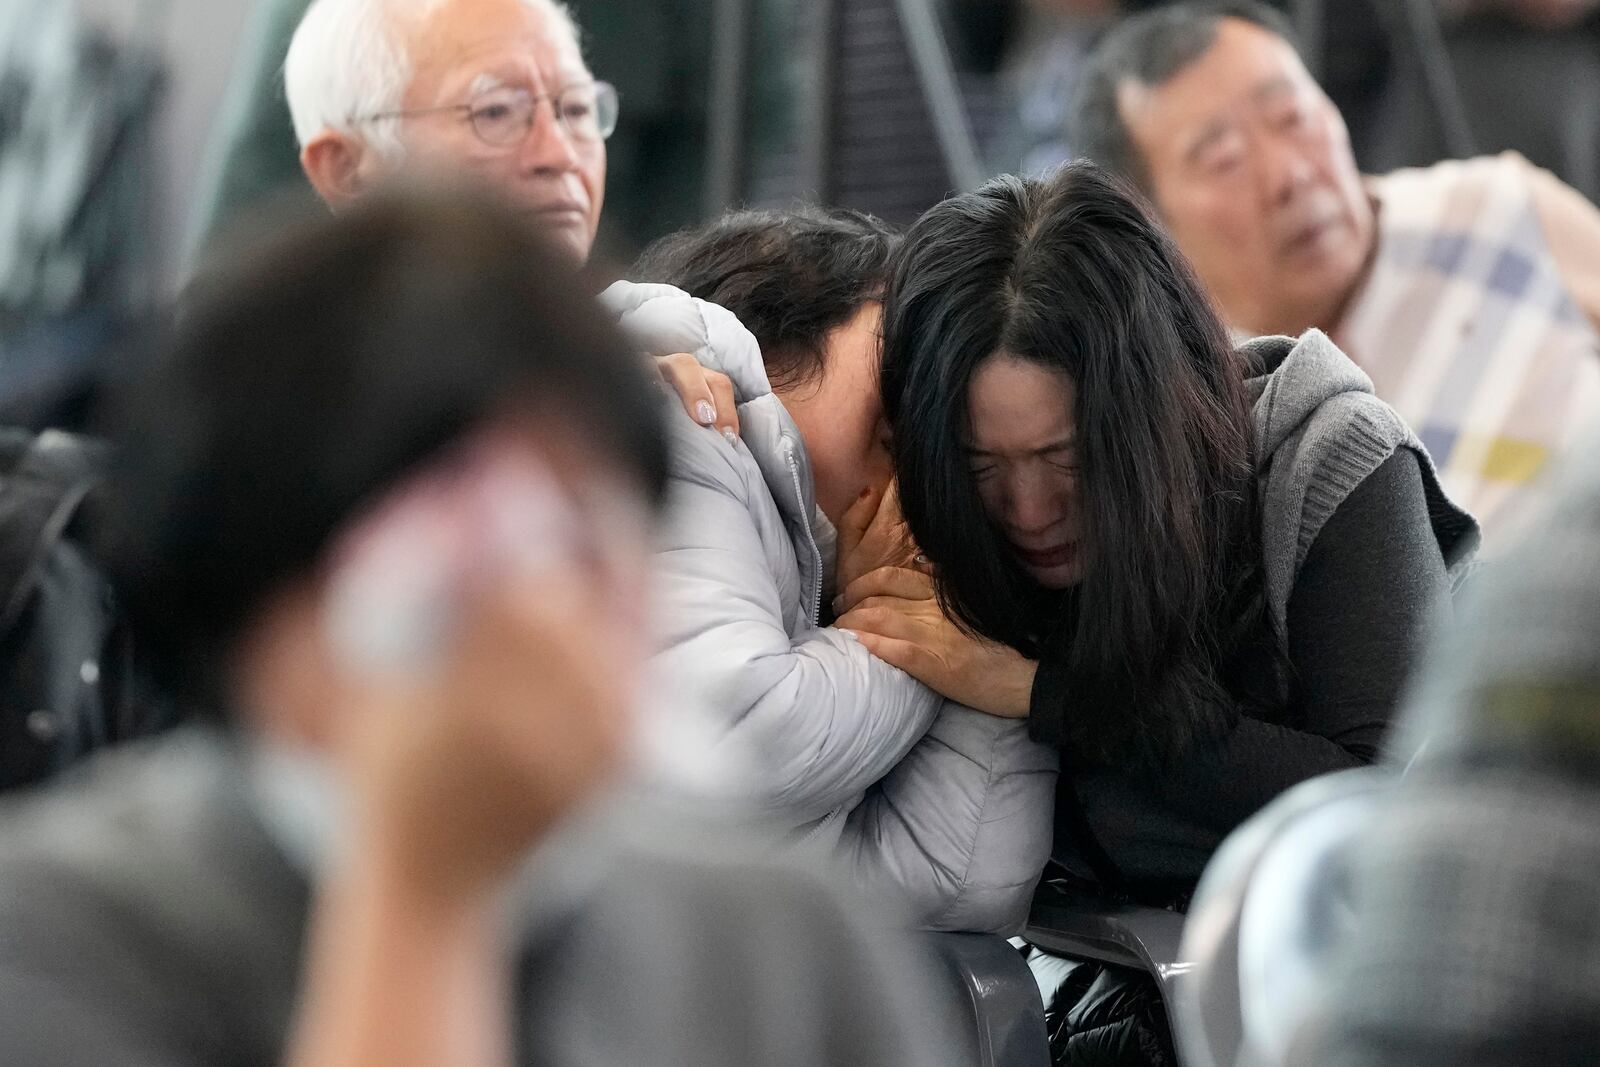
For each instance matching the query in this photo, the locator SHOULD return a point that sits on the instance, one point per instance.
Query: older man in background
(657, 54)
(496, 89)
(1469, 291)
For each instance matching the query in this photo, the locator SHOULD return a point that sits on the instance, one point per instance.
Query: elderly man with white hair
(498, 87)
(494, 88)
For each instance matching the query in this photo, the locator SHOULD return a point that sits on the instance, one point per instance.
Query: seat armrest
(1128, 935)
(998, 993)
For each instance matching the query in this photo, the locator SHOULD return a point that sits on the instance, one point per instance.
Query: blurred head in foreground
(359, 430)
(1472, 932)
(384, 509)
(497, 89)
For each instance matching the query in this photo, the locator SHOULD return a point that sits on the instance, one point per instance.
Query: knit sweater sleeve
(1372, 584)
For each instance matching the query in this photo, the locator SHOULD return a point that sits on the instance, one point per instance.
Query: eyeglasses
(503, 116)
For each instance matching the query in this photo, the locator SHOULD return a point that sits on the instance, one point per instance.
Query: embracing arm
(1372, 584)
(959, 831)
(824, 718)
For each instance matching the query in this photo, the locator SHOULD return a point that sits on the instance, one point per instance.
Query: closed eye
(1064, 457)
(1224, 162)
(1293, 117)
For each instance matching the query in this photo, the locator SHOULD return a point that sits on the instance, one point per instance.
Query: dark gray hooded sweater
(1319, 432)
(1361, 551)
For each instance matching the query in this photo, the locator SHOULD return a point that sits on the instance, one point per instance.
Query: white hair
(348, 61)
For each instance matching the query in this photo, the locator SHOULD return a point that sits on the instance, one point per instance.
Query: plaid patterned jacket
(1467, 329)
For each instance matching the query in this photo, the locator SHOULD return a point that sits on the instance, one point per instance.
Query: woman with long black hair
(1202, 574)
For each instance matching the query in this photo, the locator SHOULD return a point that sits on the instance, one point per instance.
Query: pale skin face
(1020, 446)
(1250, 165)
(840, 417)
(293, 686)
(449, 776)
(460, 50)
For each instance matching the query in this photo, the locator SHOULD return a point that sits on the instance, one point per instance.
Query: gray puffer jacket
(938, 808)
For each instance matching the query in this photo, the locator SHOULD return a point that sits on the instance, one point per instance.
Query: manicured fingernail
(729, 436)
(838, 603)
(705, 411)
(922, 560)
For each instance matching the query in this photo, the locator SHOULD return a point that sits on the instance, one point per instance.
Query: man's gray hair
(348, 60)
(1149, 49)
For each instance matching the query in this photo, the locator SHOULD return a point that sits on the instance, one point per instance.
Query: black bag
(67, 680)
(1103, 1015)
(1106, 1016)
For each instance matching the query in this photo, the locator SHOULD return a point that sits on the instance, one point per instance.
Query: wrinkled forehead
(1018, 407)
(1245, 66)
(455, 44)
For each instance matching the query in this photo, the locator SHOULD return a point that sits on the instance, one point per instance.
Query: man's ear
(334, 164)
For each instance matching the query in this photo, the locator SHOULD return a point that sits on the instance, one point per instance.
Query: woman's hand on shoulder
(706, 395)
(896, 615)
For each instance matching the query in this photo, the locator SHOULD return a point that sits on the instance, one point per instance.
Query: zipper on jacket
(820, 825)
(811, 538)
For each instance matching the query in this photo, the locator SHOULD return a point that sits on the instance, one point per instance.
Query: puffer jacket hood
(937, 810)
(662, 319)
